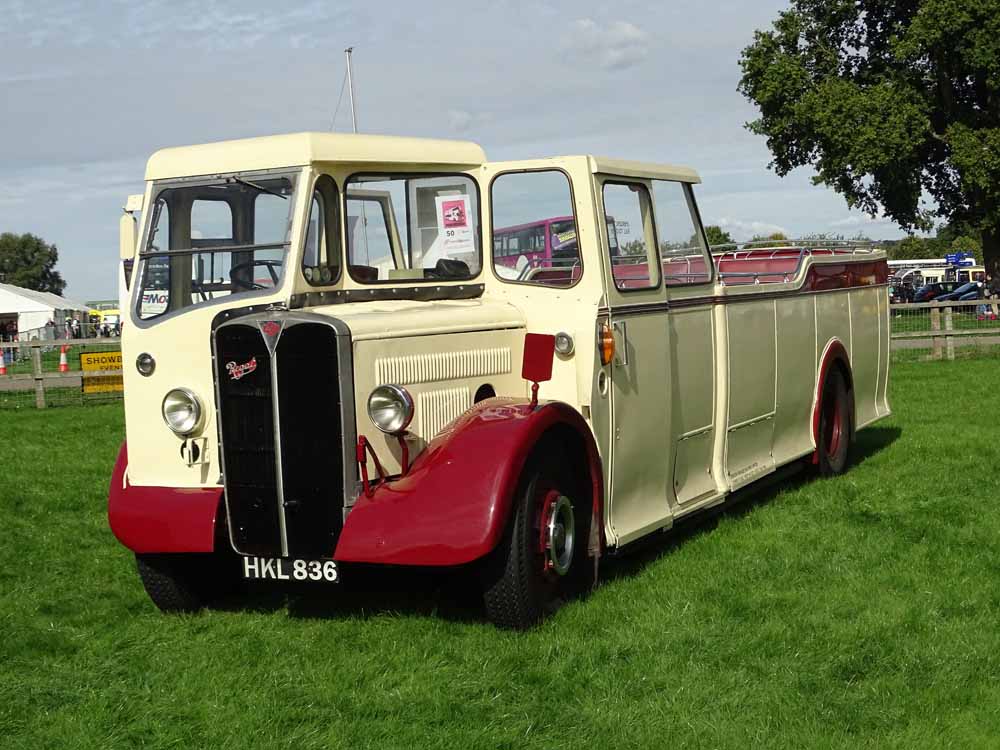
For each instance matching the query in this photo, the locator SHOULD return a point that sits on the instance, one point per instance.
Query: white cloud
(860, 221)
(742, 230)
(617, 46)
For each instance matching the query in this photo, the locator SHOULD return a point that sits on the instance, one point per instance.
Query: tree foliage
(716, 236)
(950, 238)
(28, 261)
(777, 239)
(889, 101)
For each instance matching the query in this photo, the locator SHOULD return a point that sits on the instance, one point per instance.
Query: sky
(90, 89)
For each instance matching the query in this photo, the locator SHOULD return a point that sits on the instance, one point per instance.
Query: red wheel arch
(453, 505)
(834, 354)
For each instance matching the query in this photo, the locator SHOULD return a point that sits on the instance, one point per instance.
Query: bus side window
(683, 251)
(534, 229)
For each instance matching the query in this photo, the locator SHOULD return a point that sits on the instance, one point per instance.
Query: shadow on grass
(452, 594)
(868, 443)
(368, 591)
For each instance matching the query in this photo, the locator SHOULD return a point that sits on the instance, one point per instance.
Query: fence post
(949, 341)
(936, 326)
(36, 366)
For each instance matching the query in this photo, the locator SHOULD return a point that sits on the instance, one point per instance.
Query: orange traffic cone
(63, 364)
(3, 364)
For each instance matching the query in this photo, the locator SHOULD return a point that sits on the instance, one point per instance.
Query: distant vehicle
(972, 290)
(901, 293)
(931, 292)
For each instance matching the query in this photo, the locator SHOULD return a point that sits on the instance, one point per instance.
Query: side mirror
(536, 364)
(126, 236)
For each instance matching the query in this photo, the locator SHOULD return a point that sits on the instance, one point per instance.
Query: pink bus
(546, 245)
(536, 241)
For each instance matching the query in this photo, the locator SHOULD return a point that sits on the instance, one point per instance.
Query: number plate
(287, 569)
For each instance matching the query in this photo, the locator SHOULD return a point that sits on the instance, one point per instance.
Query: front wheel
(186, 582)
(542, 555)
(834, 425)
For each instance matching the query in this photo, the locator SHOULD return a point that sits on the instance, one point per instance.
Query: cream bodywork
(711, 397)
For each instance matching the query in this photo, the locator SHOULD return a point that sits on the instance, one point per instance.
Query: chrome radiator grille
(280, 408)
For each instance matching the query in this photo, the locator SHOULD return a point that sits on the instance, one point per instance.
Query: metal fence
(36, 377)
(33, 378)
(941, 328)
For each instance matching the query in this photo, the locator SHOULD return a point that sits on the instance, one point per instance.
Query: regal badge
(271, 330)
(237, 371)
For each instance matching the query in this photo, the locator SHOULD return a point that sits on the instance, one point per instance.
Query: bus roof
(643, 169)
(300, 149)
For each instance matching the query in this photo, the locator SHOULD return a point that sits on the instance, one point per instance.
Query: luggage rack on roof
(777, 262)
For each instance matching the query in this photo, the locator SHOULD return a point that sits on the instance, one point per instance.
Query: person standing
(993, 291)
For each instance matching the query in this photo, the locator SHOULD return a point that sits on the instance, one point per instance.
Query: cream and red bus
(327, 365)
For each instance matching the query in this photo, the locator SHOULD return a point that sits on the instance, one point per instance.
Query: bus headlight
(390, 408)
(181, 411)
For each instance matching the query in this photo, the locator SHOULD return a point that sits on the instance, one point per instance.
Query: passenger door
(639, 484)
(688, 275)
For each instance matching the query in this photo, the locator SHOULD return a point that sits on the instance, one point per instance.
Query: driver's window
(211, 225)
(369, 238)
(321, 254)
(211, 221)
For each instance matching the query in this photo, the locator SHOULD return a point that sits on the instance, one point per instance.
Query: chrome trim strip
(725, 299)
(279, 475)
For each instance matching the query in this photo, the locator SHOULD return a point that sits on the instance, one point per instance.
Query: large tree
(889, 101)
(28, 261)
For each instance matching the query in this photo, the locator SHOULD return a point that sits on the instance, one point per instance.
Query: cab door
(639, 484)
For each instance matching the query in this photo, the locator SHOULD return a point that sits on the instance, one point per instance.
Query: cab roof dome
(300, 149)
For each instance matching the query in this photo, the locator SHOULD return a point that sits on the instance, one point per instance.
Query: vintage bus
(329, 365)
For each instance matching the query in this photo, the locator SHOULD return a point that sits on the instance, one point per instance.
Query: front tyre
(834, 425)
(185, 582)
(541, 557)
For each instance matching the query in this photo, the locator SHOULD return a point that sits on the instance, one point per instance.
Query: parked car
(972, 290)
(931, 292)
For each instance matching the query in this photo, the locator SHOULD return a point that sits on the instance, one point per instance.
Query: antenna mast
(350, 83)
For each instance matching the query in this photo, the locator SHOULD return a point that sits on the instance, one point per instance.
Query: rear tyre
(185, 582)
(834, 425)
(542, 556)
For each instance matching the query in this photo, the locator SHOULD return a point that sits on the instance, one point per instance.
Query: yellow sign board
(101, 362)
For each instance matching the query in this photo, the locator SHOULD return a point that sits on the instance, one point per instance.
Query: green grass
(854, 612)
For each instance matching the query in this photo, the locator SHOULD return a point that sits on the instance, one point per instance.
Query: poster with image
(454, 221)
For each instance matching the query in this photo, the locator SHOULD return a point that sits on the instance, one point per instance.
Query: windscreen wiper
(255, 186)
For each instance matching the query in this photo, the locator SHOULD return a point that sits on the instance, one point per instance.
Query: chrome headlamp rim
(403, 400)
(191, 425)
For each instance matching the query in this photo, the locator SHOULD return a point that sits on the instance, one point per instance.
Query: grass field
(860, 611)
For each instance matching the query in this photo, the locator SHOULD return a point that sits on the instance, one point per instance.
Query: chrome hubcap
(560, 536)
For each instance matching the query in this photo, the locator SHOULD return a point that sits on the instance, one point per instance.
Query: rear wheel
(834, 425)
(542, 555)
(186, 582)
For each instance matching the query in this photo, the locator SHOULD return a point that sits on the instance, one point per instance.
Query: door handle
(621, 359)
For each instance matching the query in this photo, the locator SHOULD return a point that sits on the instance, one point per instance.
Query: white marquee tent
(31, 310)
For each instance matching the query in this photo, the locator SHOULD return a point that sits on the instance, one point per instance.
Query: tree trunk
(991, 255)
